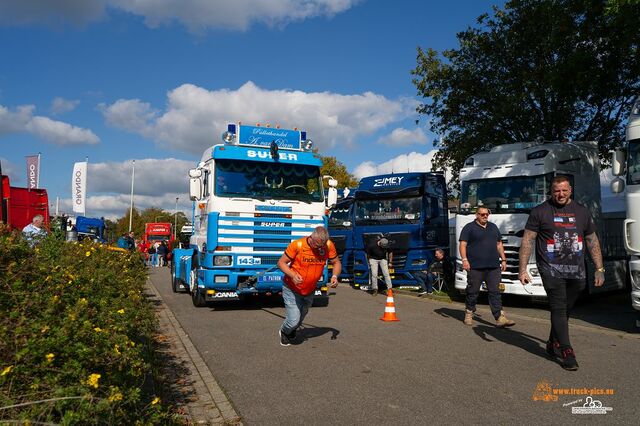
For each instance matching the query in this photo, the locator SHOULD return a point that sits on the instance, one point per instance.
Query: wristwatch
(600, 269)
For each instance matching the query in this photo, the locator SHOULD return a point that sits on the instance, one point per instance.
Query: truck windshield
(633, 176)
(339, 215)
(518, 194)
(253, 179)
(386, 211)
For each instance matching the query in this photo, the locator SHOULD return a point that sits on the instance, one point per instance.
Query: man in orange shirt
(303, 263)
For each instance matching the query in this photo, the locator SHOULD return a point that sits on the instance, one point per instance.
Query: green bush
(76, 335)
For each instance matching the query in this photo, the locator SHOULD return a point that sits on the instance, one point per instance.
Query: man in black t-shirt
(483, 258)
(559, 227)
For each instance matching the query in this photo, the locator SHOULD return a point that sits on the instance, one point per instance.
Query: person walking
(484, 259)
(303, 264)
(558, 227)
(35, 230)
(377, 251)
(162, 252)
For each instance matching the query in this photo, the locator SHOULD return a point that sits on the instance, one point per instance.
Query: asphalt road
(352, 368)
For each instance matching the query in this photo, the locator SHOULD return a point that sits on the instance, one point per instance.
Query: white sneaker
(365, 288)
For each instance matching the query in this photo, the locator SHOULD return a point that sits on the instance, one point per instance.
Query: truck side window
(205, 183)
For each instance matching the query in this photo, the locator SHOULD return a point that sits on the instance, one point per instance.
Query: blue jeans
(296, 308)
(425, 280)
(491, 278)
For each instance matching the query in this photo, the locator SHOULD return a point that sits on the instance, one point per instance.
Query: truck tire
(174, 280)
(198, 298)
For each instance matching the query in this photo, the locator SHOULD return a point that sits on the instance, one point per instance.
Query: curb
(211, 405)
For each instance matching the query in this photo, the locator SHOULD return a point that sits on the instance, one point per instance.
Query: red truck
(157, 231)
(18, 206)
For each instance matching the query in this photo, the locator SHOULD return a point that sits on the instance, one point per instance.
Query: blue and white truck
(409, 209)
(253, 195)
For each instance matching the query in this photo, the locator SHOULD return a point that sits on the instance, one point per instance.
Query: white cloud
(412, 162)
(52, 131)
(61, 105)
(152, 177)
(60, 133)
(13, 122)
(404, 137)
(196, 15)
(196, 117)
(10, 169)
(157, 184)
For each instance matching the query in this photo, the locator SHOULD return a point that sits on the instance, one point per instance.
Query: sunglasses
(483, 214)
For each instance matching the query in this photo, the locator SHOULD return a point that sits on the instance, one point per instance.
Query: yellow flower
(93, 380)
(44, 329)
(155, 401)
(7, 370)
(83, 301)
(88, 253)
(55, 298)
(50, 357)
(115, 397)
(97, 329)
(116, 349)
(121, 311)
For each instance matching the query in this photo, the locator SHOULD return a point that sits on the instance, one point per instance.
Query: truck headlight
(222, 260)
(534, 272)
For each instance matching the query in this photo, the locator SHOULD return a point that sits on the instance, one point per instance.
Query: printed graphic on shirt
(564, 250)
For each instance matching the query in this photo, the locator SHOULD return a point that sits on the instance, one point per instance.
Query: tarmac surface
(351, 368)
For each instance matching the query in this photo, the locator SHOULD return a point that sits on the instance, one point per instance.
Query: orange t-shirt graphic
(309, 263)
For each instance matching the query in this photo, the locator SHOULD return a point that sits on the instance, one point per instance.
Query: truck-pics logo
(388, 181)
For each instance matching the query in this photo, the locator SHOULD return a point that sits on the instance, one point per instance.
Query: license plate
(248, 260)
(269, 278)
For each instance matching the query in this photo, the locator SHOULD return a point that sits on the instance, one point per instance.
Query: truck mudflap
(182, 270)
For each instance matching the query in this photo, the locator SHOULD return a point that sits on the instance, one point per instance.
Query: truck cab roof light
(537, 154)
(229, 137)
(308, 144)
(469, 161)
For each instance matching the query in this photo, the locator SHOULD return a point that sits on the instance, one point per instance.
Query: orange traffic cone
(390, 308)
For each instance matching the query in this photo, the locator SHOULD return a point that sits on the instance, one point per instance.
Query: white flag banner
(79, 187)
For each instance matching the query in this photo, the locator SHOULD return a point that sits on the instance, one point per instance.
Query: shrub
(76, 331)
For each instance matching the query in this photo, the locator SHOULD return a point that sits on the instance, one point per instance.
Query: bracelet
(600, 269)
(334, 276)
(465, 259)
(503, 260)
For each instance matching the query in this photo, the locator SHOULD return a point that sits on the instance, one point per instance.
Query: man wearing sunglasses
(484, 259)
(303, 264)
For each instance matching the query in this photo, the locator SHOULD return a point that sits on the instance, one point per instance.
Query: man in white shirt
(35, 229)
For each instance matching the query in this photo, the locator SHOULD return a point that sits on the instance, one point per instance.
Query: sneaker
(553, 349)
(365, 288)
(422, 293)
(503, 321)
(374, 292)
(285, 340)
(468, 317)
(569, 360)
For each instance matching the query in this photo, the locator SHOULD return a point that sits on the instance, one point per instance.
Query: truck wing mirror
(332, 197)
(195, 189)
(618, 162)
(195, 173)
(617, 185)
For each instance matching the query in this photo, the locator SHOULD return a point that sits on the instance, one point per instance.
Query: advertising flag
(79, 187)
(33, 171)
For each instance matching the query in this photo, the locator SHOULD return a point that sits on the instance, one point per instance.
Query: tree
(332, 167)
(554, 69)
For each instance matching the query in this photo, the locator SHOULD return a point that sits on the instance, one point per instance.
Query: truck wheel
(174, 279)
(198, 298)
(320, 302)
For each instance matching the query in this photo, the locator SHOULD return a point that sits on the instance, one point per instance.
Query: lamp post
(175, 220)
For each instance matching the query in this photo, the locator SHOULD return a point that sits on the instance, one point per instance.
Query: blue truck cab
(90, 227)
(341, 230)
(253, 195)
(410, 210)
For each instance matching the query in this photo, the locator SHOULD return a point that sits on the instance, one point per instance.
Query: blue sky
(118, 80)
